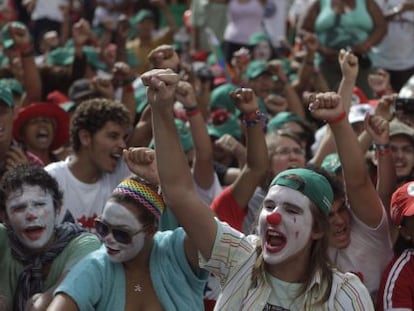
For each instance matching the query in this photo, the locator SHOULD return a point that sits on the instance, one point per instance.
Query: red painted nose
(274, 218)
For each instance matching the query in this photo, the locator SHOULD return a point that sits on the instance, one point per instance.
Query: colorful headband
(143, 194)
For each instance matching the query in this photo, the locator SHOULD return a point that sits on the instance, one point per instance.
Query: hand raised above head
(326, 106)
(164, 57)
(161, 85)
(245, 100)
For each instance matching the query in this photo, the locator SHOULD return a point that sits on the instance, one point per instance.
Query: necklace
(138, 288)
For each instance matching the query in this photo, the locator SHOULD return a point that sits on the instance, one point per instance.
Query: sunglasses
(121, 236)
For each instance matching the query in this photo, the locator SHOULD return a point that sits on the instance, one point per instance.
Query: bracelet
(382, 149)
(255, 117)
(192, 113)
(338, 119)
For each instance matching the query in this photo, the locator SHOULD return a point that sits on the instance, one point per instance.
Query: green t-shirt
(11, 268)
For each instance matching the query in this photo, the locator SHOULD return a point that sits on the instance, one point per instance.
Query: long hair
(318, 262)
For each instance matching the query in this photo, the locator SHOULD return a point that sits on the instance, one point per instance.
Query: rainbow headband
(143, 194)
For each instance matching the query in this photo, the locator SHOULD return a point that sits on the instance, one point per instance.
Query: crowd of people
(206, 155)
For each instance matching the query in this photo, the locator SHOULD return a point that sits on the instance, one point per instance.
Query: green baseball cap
(6, 95)
(258, 37)
(220, 97)
(7, 39)
(93, 58)
(230, 125)
(62, 56)
(141, 100)
(281, 118)
(257, 68)
(140, 16)
(313, 185)
(185, 135)
(331, 163)
(15, 86)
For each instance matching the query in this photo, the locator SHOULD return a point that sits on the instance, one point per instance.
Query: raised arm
(175, 176)
(361, 193)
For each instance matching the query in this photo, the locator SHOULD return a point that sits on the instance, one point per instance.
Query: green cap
(258, 37)
(281, 118)
(331, 163)
(256, 68)
(220, 97)
(61, 56)
(231, 125)
(141, 15)
(141, 100)
(15, 86)
(8, 41)
(313, 185)
(185, 135)
(6, 95)
(93, 58)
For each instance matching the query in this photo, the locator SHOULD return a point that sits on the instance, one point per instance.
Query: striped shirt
(397, 285)
(232, 261)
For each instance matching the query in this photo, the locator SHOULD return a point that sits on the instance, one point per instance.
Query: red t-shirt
(397, 284)
(228, 210)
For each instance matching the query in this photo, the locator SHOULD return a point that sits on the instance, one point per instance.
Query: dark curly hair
(32, 175)
(93, 114)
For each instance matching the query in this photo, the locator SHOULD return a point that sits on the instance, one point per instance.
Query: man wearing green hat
(272, 270)
(144, 22)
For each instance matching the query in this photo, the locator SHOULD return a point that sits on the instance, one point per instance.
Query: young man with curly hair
(99, 129)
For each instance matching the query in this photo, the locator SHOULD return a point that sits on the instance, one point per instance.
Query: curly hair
(32, 175)
(93, 114)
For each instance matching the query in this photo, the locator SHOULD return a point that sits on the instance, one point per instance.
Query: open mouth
(275, 241)
(111, 251)
(34, 232)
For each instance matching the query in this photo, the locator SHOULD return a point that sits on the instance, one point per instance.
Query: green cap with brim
(61, 57)
(141, 100)
(230, 126)
(220, 97)
(15, 86)
(6, 95)
(7, 40)
(256, 38)
(185, 135)
(257, 68)
(93, 59)
(68, 106)
(331, 163)
(281, 118)
(140, 16)
(313, 185)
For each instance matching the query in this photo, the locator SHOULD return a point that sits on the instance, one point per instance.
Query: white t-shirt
(368, 253)
(85, 201)
(48, 9)
(208, 195)
(396, 50)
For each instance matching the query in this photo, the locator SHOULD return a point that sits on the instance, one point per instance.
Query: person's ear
(3, 217)
(84, 137)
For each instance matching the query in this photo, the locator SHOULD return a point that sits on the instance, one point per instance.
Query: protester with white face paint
(35, 253)
(137, 267)
(284, 267)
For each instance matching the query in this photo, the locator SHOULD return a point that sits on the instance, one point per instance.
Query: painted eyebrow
(18, 205)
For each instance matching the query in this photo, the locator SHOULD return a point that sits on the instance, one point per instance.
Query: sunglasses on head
(121, 236)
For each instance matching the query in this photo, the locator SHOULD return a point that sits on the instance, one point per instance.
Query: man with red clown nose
(285, 266)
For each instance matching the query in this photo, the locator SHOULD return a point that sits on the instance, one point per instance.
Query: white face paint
(119, 217)
(31, 215)
(282, 240)
(262, 51)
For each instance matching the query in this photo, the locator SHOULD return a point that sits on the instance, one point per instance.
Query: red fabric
(209, 305)
(228, 210)
(397, 285)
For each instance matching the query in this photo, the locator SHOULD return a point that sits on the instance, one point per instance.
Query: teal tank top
(340, 31)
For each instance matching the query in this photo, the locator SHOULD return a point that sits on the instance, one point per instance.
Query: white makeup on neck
(118, 216)
(31, 215)
(290, 233)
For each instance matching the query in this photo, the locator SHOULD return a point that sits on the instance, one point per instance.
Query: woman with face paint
(137, 268)
(285, 266)
(35, 253)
